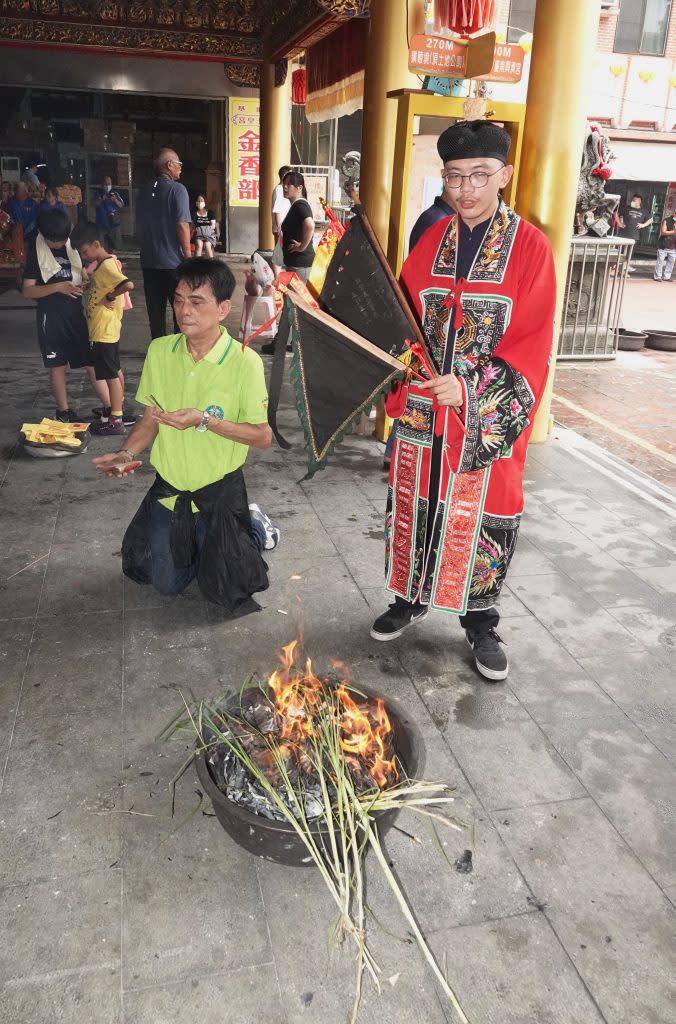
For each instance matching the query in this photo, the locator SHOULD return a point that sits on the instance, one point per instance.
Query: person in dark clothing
(53, 277)
(666, 250)
(630, 220)
(205, 405)
(24, 211)
(439, 209)
(205, 228)
(297, 227)
(51, 201)
(108, 204)
(163, 224)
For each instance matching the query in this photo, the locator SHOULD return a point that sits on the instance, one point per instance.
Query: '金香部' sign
(244, 144)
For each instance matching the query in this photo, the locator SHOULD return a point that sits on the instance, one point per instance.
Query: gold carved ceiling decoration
(242, 33)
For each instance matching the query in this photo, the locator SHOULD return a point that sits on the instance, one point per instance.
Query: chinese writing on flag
(244, 144)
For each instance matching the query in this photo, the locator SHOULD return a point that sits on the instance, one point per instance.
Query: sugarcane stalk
(374, 843)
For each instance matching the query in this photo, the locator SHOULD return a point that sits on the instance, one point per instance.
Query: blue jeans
(166, 578)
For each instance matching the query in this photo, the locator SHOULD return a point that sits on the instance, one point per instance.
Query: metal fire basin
(276, 840)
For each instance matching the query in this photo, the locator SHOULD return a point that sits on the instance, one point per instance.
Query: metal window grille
(590, 320)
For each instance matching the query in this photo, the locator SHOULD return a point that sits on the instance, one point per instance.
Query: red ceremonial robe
(503, 316)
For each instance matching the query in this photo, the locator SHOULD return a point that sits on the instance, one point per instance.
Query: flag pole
(401, 297)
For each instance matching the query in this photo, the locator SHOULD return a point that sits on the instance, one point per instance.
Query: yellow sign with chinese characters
(244, 147)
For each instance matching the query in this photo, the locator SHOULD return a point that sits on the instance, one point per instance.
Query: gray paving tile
(514, 971)
(80, 996)
(247, 996)
(83, 575)
(551, 534)
(639, 551)
(606, 580)
(439, 895)
(20, 594)
(642, 685)
(60, 682)
(60, 927)
(661, 578)
(511, 764)
(509, 604)
(57, 809)
(654, 630)
(551, 684)
(606, 910)
(192, 912)
(14, 641)
(631, 781)
(574, 618)
(182, 624)
(338, 504)
(462, 700)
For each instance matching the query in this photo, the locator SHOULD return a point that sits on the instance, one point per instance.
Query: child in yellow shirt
(104, 307)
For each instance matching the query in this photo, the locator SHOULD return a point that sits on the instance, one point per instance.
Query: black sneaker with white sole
(397, 618)
(489, 657)
(66, 416)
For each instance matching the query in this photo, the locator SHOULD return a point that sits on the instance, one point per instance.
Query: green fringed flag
(337, 375)
(345, 353)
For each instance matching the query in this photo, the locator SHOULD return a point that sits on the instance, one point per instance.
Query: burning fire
(365, 728)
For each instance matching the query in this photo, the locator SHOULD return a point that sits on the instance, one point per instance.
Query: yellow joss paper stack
(54, 432)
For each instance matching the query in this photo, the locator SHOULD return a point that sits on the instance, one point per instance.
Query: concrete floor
(112, 912)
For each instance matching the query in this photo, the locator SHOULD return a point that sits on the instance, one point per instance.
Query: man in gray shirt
(163, 226)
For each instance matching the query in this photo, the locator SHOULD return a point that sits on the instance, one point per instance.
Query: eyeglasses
(178, 162)
(479, 179)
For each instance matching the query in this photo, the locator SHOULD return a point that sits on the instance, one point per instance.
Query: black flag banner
(360, 299)
(361, 291)
(337, 374)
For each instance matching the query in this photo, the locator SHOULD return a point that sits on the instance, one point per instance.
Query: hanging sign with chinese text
(244, 144)
(436, 55)
(507, 64)
(451, 58)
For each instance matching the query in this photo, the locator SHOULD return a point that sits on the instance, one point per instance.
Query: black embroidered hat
(469, 140)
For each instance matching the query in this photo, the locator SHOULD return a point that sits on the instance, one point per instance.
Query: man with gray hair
(163, 226)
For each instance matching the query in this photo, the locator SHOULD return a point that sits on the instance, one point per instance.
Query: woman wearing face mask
(108, 204)
(297, 227)
(205, 229)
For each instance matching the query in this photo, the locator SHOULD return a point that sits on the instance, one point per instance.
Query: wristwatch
(203, 423)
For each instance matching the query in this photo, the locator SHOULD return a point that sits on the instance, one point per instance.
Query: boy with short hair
(53, 277)
(104, 320)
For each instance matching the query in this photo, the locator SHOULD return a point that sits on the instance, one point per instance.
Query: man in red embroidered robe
(483, 284)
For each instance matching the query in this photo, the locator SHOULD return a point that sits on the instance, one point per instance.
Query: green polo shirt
(228, 381)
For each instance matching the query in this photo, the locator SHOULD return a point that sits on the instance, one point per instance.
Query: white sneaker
(272, 533)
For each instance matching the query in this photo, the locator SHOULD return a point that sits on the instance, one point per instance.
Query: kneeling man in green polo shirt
(206, 405)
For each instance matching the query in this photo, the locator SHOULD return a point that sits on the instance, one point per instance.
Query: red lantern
(298, 86)
(464, 17)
